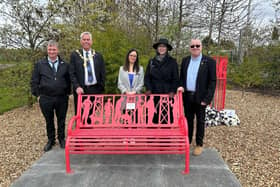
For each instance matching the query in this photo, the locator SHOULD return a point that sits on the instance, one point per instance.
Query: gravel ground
(251, 150)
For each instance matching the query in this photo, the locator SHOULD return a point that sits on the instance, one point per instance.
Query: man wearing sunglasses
(198, 81)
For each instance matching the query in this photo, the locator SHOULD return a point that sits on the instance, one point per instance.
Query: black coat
(206, 78)
(43, 81)
(77, 71)
(162, 77)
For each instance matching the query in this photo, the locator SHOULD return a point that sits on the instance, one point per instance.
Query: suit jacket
(206, 78)
(124, 84)
(77, 71)
(43, 81)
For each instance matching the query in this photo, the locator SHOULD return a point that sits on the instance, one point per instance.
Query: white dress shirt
(92, 67)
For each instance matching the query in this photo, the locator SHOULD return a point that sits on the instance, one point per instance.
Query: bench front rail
(128, 124)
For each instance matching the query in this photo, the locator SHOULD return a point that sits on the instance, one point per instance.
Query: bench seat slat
(129, 152)
(126, 144)
(118, 138)
(128, 132)
(127, 147)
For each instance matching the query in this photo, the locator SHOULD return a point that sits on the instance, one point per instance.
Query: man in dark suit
(50, 83)
(87, 69)
(198, 79)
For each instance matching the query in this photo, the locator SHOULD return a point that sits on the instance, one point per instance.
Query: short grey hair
(52, 43)
(195, 39)
(85, 33)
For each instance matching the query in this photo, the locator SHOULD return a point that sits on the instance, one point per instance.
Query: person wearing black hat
(161, 76)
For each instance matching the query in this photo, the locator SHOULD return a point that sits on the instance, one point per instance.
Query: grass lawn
(14, 86)
(11, 98)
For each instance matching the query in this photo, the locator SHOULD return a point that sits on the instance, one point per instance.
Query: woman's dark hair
(136, 63)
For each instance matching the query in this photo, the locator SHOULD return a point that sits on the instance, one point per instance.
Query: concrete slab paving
(207, 170)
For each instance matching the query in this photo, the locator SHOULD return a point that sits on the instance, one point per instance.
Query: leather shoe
(48, 146)
(197, 150)
(62, 143)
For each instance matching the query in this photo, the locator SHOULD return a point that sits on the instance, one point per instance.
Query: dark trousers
(194, 109)
(164, 116)
(58, 105)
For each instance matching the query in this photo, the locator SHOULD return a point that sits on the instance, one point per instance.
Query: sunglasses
(193, 46)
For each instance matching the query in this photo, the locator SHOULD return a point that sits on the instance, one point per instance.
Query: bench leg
(187, 157)
(67, 158)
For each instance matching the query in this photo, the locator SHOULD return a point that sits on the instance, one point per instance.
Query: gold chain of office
(85, 58)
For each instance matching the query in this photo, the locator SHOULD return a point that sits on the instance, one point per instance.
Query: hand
(203, 103)
(79, 90)
(171, 94)
(148, 92)
(130, 93)
(180, 89)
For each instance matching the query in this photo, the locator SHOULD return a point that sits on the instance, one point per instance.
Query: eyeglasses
(133, 55)
(193, 46)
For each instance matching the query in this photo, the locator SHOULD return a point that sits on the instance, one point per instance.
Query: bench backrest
(137, 111)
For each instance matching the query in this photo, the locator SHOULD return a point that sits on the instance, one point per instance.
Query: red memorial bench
(125, 124)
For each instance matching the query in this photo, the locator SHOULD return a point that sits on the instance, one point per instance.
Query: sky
(264, 11)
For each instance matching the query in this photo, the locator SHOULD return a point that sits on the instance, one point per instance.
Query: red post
(220, 92)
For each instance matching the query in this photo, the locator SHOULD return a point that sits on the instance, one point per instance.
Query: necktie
(53, 68)
(89, 70)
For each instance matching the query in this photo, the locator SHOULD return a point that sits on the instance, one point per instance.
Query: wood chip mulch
(251, 150)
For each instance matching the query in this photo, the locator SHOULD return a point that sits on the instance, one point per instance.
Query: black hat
(163, 41)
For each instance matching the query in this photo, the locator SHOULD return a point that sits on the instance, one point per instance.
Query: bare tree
(149, 14)
(220, 19)
(276, 5)
(27, 23)
(178, 34)
(231, 17)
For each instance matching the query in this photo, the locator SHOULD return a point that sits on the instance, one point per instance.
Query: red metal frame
(220, 92)
(123, 124)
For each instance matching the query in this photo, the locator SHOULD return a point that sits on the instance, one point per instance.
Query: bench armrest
(183, 124)
(70, 124)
